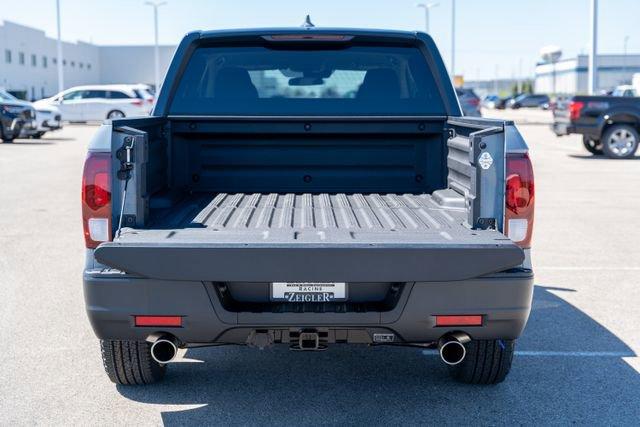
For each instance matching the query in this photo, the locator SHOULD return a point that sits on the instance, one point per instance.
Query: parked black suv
(14, 116)
(529, 101)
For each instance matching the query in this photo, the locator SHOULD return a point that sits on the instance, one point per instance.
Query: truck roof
(309, 31)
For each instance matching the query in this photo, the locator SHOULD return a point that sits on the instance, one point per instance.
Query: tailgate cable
(124, 174)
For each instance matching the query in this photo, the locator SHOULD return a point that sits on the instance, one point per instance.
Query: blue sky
(502, 35)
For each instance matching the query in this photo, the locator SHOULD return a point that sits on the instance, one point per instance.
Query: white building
(28, 62)
(571, 75)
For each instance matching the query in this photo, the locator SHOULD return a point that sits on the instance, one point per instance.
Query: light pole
(453, 38)
(59, 46)
(555, 76)
(155, 6)
(426, 7)
(624, 59)
(520, 82)
(593, 61)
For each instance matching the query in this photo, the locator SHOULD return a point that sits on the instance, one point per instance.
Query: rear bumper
(562, 129)
(591, 130)
(50, 124)
(113, 298)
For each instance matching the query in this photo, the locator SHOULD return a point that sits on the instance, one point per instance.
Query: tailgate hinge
(451, 133)
(486, 224)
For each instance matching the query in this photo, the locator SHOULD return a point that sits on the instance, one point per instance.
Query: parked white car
(97, 103)
(147, 93)
(626, 90)
(48, 118)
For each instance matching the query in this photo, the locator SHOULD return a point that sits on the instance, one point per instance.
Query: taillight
(519, 199)
(96, 199)
(150, 100)
(171, 321)
(474, 101)
(459, 320)
(575, 108)
(137, 102)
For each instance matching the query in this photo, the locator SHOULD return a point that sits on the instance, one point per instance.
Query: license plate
(308, 291)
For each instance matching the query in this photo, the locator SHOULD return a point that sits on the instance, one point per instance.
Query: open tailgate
(352, 238)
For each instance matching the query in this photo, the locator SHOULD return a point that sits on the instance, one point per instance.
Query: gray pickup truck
(307, 187)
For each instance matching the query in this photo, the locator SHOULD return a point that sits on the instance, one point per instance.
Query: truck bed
(356, 217)
(311, 237)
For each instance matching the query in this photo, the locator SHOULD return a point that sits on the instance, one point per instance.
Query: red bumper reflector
(174, 321)
(459, 320)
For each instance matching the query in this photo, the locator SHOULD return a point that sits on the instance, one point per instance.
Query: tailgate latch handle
(125, 155)
(124, 174)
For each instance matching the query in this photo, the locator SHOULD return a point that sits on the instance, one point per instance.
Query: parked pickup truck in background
(307, 188)
(608, 124)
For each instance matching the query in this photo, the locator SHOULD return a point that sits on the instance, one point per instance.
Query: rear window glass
(113, 94)
(358, 80)
(91, 94)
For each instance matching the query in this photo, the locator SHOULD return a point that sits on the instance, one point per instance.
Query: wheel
(37, 135)
(486, 362)
(620, 141)
(130, 362)
(115, 114)
(592, 146)
(4, 138)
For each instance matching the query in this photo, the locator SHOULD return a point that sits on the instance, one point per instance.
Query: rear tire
(115, 114)
(592, 146)
(130, 362)
(620, 141)
(487, 362)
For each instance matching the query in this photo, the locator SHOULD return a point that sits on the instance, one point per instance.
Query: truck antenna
(307, 22)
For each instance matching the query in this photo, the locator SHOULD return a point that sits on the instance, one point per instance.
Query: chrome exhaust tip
(164, 349)
(451, 347)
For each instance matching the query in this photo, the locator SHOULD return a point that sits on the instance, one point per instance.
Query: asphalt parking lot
(576, 363)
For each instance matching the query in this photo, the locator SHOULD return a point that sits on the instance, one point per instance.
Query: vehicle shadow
(592, 157)
(29, 142)
(381, 385)
(57, 138)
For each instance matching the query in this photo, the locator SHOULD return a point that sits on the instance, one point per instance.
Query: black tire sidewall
(487, 362)
(607, 135)
(2, 137)
(130, 362)
(593, 150)
(115, 111)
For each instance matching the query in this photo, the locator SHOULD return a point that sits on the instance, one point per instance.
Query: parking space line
(527, 353)
(574, 353)
(589, 268)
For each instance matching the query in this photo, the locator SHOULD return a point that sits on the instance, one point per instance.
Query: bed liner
(311, 237)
